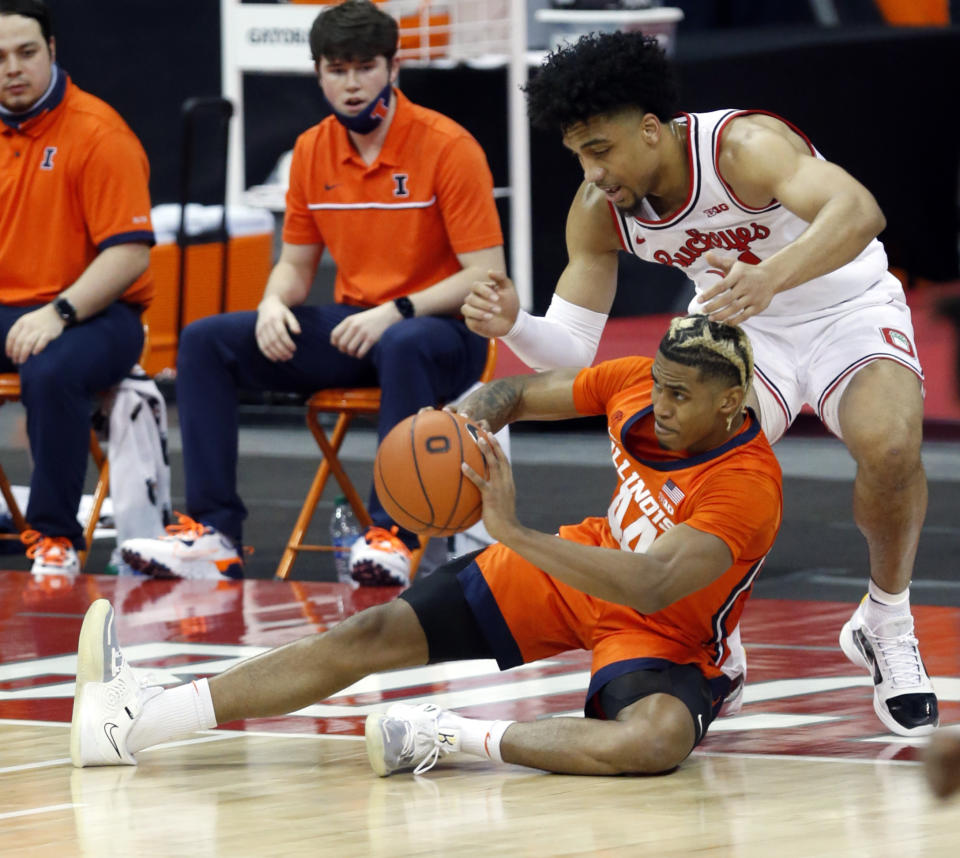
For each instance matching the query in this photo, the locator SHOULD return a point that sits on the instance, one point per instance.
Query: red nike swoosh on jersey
(486, 746)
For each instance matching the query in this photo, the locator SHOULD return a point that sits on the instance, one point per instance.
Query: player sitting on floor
(653, 589)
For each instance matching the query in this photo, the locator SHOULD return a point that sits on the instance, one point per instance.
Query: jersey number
(641, 529)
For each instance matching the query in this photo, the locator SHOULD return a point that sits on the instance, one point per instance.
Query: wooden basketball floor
(804, 770)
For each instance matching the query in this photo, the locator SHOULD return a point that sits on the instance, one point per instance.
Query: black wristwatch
(66, 311)
(405, 306)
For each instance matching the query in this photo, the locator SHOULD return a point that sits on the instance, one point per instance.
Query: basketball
(418, 478)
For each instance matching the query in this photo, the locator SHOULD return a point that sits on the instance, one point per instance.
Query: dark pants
(418, 362)
(58, 390)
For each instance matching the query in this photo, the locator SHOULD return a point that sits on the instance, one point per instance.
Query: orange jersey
(395, 226)
(73, 182)
(732, 492)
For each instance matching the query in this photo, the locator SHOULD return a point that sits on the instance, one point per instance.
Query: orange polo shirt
(395, 226)
(73, 182)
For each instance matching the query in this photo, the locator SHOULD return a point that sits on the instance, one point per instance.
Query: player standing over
(403, 199)
(653, 589)
(75, 237)
(776, 239)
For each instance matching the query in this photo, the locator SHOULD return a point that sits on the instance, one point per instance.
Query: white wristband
(568, 335)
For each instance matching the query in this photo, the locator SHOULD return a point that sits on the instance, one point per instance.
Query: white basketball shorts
(811, 359)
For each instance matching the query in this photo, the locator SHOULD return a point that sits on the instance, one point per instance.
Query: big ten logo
(715, 210)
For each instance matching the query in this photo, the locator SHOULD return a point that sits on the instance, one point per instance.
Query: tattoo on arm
(497, 402)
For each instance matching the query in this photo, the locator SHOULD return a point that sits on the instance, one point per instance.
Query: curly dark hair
(602, 73)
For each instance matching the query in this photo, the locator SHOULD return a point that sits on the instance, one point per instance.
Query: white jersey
(713, 217)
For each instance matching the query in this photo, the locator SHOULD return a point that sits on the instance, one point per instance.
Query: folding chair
(10, 392)
(346, 403)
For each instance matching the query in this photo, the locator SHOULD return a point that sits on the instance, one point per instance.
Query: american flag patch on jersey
(672, 491)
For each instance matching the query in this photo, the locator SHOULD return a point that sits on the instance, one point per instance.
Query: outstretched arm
(569, 332)
(544, 396)
(763, 160)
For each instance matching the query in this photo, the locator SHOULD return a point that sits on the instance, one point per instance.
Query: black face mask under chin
(370, 117)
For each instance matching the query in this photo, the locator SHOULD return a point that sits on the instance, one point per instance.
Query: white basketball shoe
(188, 550)
(903, 696)
(408, 737)
(380, 558)
(51, 555)
(108, 699)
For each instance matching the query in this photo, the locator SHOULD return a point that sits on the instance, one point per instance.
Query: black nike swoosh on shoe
(108, 728)
(860, 639)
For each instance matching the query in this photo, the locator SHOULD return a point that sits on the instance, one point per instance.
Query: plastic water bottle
(344, 531)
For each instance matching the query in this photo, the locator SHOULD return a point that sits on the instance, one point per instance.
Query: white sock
(881, 605)
(173, 714)
(477, 737)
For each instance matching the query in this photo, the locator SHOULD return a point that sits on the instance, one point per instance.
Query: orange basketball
(418, 478)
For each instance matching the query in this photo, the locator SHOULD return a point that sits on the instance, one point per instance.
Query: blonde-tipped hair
(718, 350)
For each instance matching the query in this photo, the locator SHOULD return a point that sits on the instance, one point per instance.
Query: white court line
(768, 721)
(912, 741)
(206, 736)
(25, 766)
(503, 692)
(50, 808)
(236, 734)
(388, 680)
(803, 758)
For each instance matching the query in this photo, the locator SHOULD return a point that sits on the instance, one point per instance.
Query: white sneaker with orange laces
(380, 559)
(51, 555)
(189, 550)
